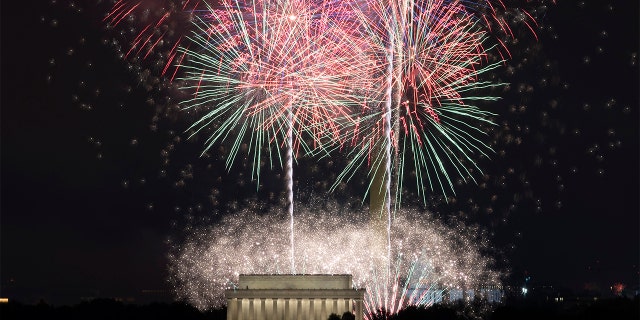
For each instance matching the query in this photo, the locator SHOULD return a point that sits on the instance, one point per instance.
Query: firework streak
(164, 23)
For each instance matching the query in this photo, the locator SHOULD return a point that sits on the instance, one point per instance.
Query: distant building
(293, 297)
(435, 294)
(424, 296)
(493, 294)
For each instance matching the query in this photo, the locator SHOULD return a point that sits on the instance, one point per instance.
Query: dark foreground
(103, 309)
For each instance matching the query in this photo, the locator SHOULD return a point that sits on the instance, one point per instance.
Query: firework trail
(283, 74)
(430, 259)
(289, 181)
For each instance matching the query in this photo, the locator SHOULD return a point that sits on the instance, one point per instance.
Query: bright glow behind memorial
(426, 254)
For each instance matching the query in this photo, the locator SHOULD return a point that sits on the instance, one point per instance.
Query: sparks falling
(429, 258)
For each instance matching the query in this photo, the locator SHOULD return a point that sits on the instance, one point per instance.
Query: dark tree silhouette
(334, 316)
(440, 312)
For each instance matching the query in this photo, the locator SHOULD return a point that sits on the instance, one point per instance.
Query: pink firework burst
(267, 68)
(435, 54)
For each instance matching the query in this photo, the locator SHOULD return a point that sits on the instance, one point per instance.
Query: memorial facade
(293, 297)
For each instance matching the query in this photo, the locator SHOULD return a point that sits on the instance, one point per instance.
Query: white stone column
(244, 313)
(279, 307)
(232, 309)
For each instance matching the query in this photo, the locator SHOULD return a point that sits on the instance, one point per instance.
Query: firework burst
(436, 54)
(270, 71)
(398, 82)
(430, 259)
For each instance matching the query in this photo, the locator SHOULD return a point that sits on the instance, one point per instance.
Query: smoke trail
(289, 182)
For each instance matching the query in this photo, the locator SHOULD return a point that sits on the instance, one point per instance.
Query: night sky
(98, 174)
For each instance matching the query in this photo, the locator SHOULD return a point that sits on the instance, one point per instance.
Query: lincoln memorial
(293, 297)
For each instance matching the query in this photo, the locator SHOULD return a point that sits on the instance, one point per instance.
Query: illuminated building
(293, 297)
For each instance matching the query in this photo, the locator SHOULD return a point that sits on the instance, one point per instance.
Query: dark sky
(93, 185)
